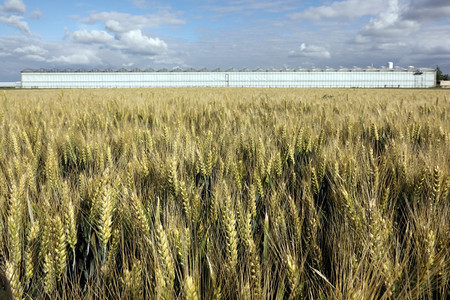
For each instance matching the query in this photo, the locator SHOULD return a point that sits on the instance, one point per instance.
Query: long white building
(289, 78)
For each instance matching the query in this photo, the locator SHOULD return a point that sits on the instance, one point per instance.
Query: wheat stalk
(15, 231)
(106, 209)
(190, 289)
(252, 252)
(231, 235)
(166, 262)
(60, 247)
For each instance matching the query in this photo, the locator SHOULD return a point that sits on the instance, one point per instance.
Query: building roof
(177, 69)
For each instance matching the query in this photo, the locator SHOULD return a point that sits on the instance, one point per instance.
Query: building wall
(445, 84)
(9, 84)
(325, 79)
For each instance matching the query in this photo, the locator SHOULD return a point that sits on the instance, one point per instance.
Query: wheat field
(221, 193)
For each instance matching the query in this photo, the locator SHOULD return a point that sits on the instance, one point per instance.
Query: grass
(204, 193)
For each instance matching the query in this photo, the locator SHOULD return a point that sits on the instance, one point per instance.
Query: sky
(145, 34)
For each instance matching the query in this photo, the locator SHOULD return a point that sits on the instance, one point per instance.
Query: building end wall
(445, 84)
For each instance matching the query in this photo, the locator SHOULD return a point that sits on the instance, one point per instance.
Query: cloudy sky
(242, 33)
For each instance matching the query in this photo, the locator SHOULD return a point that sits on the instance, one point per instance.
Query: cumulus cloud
(11, 14)
(121, 22)
(382, 27)
(124, 32)
(351, 9)
(34, 58)
(16, 22)
(117, 27)
(391, 46)
(90, 37)
(85, 58)
(122, 40)
(310, 51)
(31, 49)
(35, 53)
(134, 41)
(403, 10)
(16, 6)
(348, 9)
(390, 22)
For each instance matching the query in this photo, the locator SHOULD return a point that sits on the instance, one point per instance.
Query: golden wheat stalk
(190, 289)
(254, 261)
(140, 214)
(60, 247)
(231, 235)
(106, 210)
(166, 262)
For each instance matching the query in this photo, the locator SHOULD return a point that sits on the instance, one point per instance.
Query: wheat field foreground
(207, 193)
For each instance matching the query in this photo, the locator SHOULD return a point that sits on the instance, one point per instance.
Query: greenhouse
(285, 78)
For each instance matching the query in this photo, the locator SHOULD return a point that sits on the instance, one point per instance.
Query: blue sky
(242, 33)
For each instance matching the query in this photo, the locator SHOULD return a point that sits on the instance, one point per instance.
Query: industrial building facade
(299, 78)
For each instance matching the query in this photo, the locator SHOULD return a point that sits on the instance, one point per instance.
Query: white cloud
(310, 51)
(36, 14)
(384, 10)
(16, 6)
(389, 28)
(121, 22)
(127, 35)
(117, 27)
(31, 49)
(16, 22)
(90, 37)
(34, 57)
(134, 41)
(348, 9)
(35, 53)
(248, 6)
(139, 3)
(10, 14)
(390, 46)
(390, 22)
(429, 42)
(121, 41)
(86, 57)
(169, 59)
